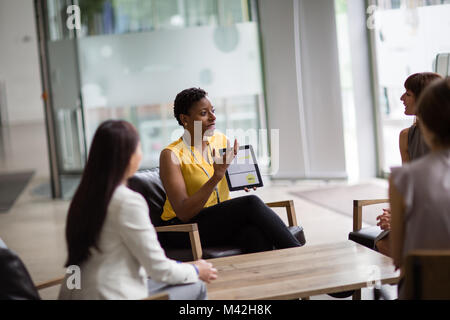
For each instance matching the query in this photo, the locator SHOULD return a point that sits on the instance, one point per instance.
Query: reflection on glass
(134, 56)
(128, 16)
(65, 89)
(409, 35)
(134, 67)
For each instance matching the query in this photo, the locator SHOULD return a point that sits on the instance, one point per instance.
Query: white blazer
(129, 252)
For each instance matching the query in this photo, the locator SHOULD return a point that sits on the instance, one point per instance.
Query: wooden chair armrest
(194, 236)
(188, 227)
(158, 296)
(357, 210)
(49, 283)
(290, 210)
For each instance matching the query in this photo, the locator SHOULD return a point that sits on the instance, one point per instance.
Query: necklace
(200, 164)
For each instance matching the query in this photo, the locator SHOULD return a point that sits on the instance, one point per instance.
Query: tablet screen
(243, 171)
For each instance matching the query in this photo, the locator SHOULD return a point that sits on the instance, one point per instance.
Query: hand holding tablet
(222, 162)
(243, 171)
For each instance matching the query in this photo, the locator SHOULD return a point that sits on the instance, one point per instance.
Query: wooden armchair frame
(427, 275)
(357, 223)
(194, 235)
(357, 210)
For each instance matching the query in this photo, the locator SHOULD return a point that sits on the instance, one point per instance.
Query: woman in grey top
(419, 191)
(411, 142)
(412, 145)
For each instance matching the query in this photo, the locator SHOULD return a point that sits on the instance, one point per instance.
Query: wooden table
(300, 272)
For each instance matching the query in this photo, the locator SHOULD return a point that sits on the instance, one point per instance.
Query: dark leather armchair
(364, 236)
(15, 281)
(148, 183)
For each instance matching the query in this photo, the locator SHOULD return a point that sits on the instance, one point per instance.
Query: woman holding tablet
(197, 192)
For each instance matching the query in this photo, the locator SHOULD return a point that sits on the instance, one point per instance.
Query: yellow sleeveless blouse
(193, 174)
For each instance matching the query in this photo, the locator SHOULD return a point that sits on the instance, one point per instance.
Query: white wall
(19, 62)
(303, 86)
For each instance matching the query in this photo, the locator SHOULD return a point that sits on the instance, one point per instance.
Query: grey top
(425, 187)
(416, 144)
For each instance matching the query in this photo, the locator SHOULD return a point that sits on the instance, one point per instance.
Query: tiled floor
(34, 227)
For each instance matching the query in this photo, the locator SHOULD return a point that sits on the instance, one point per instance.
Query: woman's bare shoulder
(403, 144)
(404, 133)
(403, 137)
(168, 157)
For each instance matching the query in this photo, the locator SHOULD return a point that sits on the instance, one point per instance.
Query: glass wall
(130, 58)
(58, 49)
(347, 91)
(408, 35)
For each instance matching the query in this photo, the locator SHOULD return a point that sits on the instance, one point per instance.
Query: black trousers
(246, 222)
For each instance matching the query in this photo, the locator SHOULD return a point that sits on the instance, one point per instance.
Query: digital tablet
(243, 171)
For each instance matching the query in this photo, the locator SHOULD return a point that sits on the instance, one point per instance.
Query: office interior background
(318, 81)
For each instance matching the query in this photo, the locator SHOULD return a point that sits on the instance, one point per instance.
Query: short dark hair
(114, 142)
(185, 99)
(417, 82)
(434, 110)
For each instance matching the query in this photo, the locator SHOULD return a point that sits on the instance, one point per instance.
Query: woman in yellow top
(197, 192)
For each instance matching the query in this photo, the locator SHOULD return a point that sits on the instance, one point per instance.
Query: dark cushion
(149, 184)
(297, 232)
(185, 254)
(225, 251)
(221, 251)
(15, 281)
(179, 254)
(365, 236)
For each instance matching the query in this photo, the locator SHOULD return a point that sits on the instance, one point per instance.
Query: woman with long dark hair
(109, 233)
